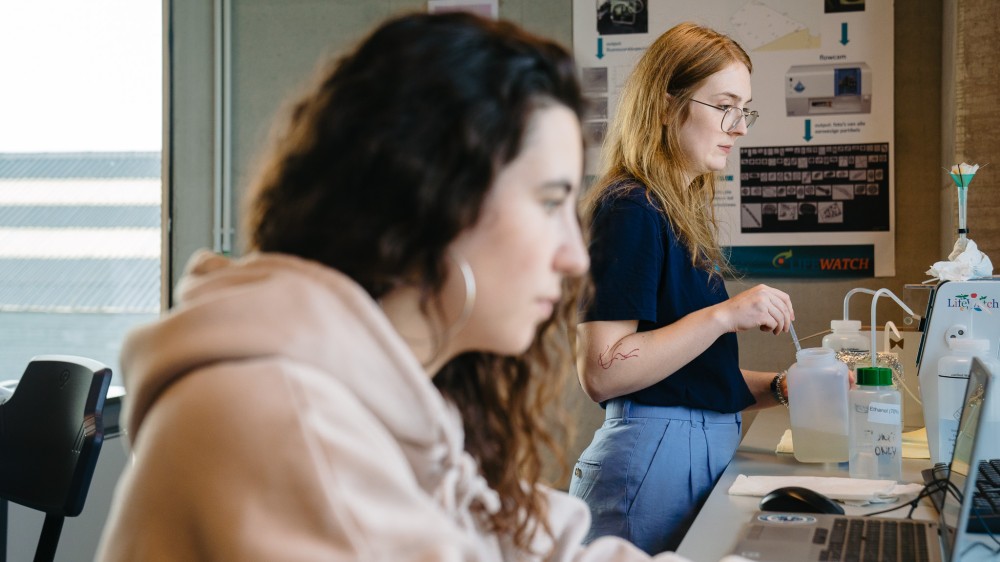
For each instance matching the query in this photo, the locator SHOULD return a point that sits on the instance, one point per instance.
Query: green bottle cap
(874, 376)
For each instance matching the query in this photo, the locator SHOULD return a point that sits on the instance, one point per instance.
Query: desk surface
(714, 531)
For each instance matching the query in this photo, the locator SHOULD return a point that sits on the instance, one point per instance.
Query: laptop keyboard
(985, 514)
(881, 540)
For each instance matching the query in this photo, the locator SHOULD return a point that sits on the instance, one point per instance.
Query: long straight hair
(644, 144)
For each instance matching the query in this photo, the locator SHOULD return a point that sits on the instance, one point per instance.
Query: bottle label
(879, 412)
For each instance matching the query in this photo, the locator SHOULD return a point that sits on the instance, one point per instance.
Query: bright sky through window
(76, 75)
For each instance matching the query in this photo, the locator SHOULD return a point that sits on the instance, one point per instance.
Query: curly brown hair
(385, 162)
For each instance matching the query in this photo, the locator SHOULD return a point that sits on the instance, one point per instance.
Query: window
(80, 189)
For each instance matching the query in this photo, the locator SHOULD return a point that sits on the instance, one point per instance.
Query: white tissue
(856, 491)
(964, 262)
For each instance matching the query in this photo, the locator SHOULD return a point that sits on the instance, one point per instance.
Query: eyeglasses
(731, 116)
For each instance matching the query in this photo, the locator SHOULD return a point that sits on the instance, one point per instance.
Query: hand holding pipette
(795, 339)
(761, 307)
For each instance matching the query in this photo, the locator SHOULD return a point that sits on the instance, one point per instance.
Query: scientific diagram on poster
(811, 192)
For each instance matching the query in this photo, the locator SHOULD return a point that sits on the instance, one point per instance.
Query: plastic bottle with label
(846, 336)
(876, 422)
(952, 378)
(817, 403)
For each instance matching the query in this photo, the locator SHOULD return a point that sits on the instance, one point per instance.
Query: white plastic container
(876, 421)
(952, 378)
(817, 403)
(846, 336)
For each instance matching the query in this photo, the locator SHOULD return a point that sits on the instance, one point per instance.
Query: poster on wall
(811, 191)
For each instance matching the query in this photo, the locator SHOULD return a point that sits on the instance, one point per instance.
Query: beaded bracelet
(776, 388)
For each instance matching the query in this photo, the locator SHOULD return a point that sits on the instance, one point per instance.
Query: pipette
(795, 339)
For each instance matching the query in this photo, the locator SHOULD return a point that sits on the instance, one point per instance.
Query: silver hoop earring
(469, 278)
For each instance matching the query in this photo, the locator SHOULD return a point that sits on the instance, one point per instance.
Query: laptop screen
(962, 457)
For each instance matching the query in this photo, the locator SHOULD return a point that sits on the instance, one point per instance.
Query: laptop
(806, 537)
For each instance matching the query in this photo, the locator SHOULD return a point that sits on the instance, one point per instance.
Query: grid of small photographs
(825, 188)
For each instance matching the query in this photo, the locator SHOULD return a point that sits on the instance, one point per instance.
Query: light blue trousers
(650, 468)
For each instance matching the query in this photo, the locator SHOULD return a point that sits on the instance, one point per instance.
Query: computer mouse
(797, 499)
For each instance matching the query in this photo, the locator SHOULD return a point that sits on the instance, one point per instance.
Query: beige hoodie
(275, 414)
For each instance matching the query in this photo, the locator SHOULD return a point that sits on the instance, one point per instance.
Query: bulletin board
(811, 191)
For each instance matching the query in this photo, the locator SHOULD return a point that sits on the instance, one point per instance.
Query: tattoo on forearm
(612, 353)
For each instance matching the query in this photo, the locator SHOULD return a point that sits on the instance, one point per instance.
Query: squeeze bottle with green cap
(876, 420)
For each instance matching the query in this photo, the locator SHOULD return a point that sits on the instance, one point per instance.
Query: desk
(714, 531)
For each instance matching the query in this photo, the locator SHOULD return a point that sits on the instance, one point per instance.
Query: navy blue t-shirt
(642, 272)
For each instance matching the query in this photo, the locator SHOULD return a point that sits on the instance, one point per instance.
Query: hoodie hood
(315, 323)
(300, 311)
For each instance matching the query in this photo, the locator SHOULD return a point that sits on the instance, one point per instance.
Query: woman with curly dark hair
(371, 381)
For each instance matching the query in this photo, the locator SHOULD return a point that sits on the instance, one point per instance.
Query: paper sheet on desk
(914, 444)
(856, 491)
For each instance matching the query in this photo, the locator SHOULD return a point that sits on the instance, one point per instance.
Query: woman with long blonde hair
(657, 346)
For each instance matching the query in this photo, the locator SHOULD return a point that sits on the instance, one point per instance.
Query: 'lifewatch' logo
(973, 301)
(803, 261)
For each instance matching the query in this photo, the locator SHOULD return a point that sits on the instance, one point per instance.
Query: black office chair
(51, 431)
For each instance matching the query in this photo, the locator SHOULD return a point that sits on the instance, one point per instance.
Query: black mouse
(796, 499)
